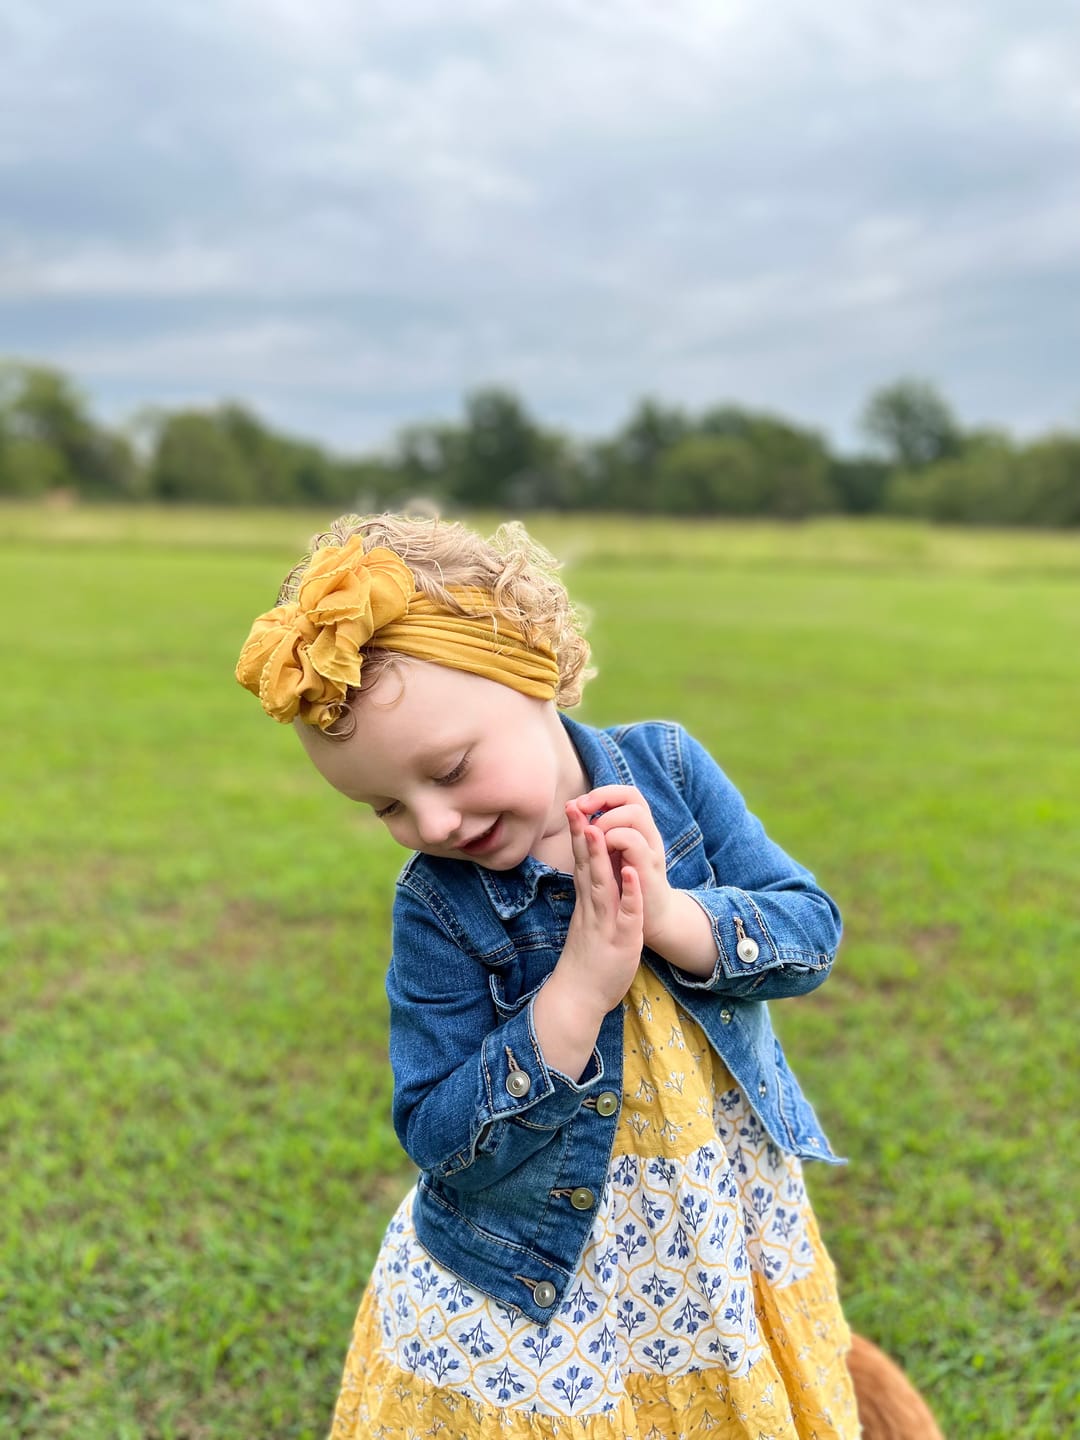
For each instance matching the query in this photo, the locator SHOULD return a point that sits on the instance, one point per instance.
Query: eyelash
(457, 773)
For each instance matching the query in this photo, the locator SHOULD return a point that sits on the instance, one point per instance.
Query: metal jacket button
(725, 1017)
(544, 1294)
(518, 1084)
(763, 1089)
(747, 950)
(607, 1102)
(582, 1198)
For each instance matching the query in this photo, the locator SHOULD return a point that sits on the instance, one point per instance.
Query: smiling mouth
(480, 842)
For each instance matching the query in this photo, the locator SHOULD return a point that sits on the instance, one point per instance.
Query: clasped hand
(622, 891)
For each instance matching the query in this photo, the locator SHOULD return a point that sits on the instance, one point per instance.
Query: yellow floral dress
(704, 1303)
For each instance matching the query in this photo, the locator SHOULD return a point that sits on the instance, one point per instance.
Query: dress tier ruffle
(704, 1302)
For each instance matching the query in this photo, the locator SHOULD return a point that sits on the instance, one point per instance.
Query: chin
(506, 861)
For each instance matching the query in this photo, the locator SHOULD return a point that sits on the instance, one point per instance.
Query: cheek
(400, 831)
(530, 786)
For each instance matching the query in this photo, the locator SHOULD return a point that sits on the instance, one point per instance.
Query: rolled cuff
(518, 1082)
(752, 958)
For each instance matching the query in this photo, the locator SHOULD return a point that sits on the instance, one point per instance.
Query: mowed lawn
(194, 1099)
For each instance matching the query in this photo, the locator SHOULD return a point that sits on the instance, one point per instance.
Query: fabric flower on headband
(301, 658)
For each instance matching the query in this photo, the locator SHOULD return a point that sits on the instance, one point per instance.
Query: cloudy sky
(347, 212)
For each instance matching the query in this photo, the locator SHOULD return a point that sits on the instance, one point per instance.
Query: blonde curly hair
(517, 571)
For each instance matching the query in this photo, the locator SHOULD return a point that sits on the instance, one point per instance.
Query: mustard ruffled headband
(302, 657)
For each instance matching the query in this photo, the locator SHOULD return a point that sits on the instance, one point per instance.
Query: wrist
(683, 936)
(662, 920)
(567, 1026)
(572, 1004)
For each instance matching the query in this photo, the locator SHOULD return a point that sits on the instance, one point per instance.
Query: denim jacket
(513, 1154)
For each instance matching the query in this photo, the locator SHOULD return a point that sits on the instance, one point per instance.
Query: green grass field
(194, 1101)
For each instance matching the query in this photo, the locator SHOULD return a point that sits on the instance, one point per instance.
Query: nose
(437, 822)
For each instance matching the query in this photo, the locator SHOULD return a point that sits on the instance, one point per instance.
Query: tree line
(725, 460)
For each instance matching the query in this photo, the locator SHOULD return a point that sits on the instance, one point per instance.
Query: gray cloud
(347, 218)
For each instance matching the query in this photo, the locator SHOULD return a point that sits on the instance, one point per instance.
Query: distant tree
(283, 470)
(981, 486)
(730, 420)
(30, 468)
(500, 455)
(793, 463)
(312, 477)
(195, 459)
(1049, 477)
(594, 471)
(711, 475)
(42, 404)
(111, 468)
(51, 441)
(912, 424)
(726, 461)
(263, 454)
(554, 479)
(632, 458)
(425, 458)
(859, 483)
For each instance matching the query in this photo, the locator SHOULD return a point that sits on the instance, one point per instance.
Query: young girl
(610, 1237)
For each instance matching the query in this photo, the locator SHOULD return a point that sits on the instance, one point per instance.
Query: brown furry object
(890, 1408)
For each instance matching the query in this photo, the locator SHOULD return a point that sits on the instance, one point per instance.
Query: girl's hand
(623, 817)
(600, 957)
(605, 936)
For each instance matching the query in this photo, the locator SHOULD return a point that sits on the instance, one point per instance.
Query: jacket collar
(512, 891)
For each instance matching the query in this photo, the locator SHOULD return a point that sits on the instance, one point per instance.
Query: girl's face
(457, 766)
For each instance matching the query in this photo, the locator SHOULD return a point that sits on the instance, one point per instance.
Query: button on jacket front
(509, 1148)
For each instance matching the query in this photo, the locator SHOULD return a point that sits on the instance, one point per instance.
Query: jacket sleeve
(776, 930)
(473, 1095)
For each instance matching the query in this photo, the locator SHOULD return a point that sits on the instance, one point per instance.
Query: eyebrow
(440, 751)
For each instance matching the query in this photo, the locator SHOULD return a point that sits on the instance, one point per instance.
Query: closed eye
(450, 778)
(457, 773)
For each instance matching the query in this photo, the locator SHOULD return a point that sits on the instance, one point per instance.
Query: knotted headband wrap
(477, 643)
(301, 658)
